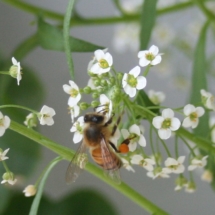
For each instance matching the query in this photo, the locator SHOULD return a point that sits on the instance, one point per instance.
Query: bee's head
(94, 118)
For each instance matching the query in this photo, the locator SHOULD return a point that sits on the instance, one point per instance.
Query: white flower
(207, 99)
(45, 115)
(30, 190)
(131, 82)
(8, 177)
(158, 172)
(198, 163)
(134, 135)
(181, 182)
(105, 105)
(126, 37)
(102, 63)
(146, 163)
(127, 165)
(3, 154)
(75, 111)
(190, 187)
(15, 70)
(175, 166)
(73, 91)
(193, 114)
(150, 56)
(4, 123)
(207, 176)
(156, 97)
(78, 129)
(166, 123)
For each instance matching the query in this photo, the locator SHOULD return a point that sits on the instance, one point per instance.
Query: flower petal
(135, 71)
(141, 82)
(164, 133)
(175, 124)
(157, 121)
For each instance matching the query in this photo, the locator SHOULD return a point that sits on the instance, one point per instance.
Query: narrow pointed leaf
(36, 202)
(147, 21)
(51, 38)
(199, 80)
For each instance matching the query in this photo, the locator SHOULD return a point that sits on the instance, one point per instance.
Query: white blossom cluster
(113, 91)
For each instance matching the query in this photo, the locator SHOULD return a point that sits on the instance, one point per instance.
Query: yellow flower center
(74, 93)
(131, 80)
(103, 64)
(193, 116)
(149, 56)
(166, 123)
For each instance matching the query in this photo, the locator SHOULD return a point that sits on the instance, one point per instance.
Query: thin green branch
(67, 154)
(209, 14)
(27, 7)
(80, 21)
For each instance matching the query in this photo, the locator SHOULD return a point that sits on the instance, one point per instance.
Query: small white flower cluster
(107, 87)
(166, 123)
(115, 93)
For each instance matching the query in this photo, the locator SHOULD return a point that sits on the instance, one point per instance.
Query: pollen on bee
(123, 148)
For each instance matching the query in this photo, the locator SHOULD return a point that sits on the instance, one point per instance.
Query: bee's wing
(77, 164)
(109, 161)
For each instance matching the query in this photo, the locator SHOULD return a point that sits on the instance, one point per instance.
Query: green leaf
(199, 80)
(36, 202)
(51, 38)
(147, 21)
(80, 202)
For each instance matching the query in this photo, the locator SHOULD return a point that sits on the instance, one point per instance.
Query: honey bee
(96, 137)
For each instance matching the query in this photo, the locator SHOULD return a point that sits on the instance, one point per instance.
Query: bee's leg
(123, 147)
(116, 125)
(114, 147)
(109, 121)
(103, 111)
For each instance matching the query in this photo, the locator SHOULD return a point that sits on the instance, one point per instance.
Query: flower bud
(104, 83)
(95, 104)
(96, 82)
(112, 80)
(84, 105)
(87, 90)
(31, 120)
(95, 95)
(119, 76)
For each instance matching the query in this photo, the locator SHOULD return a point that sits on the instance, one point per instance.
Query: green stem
(66, 35)
(165, 147)
(4, 73)
(34, 9)
(5, 166)
(146, 71)
(67, 154)
(19, 107)
(210, 15)
(92, 21)
(199, 141)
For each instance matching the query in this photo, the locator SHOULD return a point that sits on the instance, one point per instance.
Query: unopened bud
(87, 90)
(95, 95)
(84, 106)
(95, 104)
